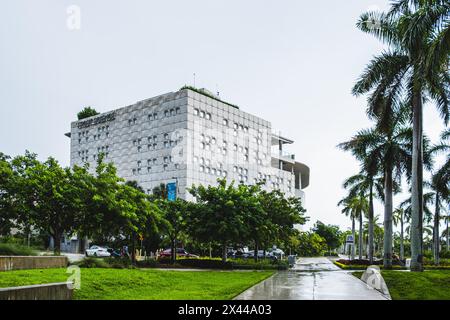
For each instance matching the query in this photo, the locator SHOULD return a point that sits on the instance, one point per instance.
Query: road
(312, 279)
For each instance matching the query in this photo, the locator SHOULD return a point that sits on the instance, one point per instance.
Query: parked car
(275, 253)
(96, 251)
(180, 253)
(245, 254)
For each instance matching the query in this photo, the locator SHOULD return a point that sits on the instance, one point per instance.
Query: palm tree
(356, 207)
(440, 184)
(366, 183)
(399, 218)
(388, 146)
(348, 211)
(414, 67)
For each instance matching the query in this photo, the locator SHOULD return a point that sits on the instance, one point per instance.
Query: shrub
(119, 263)
(10, 249)
(90, 262)
(147, 263)
(442, 262)
(263, 264)
(205, 263)
(364, 262)
(362, 266)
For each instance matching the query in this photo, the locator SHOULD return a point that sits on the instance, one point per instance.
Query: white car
(96, 251)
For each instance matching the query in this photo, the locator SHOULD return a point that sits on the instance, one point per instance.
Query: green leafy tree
(283, 213)
(86, 113)
(7, 214)
(175, 215)
(310, 244)
(48, 199)
(330, 233)
(220, 209)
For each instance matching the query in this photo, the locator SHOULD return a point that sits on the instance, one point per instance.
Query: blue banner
(171, 191)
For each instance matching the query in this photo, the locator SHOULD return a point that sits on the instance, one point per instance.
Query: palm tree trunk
(387, 243)
(436, 238)
(416, 185)
(353, 234)
(360, 236)
(402, 246)
(370, 241)
(448, 242)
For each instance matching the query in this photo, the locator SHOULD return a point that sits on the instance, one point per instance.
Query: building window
(134, 172)
(149, 169)
(202, 114)
(196, 112)
(165, 167)
(139, 149)
(208, 116)
(178, 110)
(166, 113)
(225, 122)
(202, 168)
(172, 112)
(139, 164)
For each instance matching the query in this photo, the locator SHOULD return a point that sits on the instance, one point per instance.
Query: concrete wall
(8, 263)
(51, 291)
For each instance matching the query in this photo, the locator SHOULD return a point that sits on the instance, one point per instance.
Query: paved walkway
(312, 279)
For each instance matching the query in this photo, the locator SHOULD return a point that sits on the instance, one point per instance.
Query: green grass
(106, 284)
(427, 285)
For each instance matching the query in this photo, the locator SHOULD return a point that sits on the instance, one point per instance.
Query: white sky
(289, 62)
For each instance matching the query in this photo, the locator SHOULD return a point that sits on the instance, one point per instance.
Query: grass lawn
(427, 285)
(99, 284)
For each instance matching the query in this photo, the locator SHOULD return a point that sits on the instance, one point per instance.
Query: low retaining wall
(8, 263)
(51, 291)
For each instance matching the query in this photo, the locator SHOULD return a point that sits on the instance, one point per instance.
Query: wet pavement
(312, 279)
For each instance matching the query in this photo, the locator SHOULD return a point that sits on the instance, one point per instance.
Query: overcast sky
(290, 62)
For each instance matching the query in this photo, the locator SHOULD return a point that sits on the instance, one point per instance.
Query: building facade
(189, 137)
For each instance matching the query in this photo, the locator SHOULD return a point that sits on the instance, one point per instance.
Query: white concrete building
(189, 137)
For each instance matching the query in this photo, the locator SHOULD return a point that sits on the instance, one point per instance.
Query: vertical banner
(171, 191)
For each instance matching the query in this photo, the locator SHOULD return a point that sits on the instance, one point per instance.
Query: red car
(180, 253)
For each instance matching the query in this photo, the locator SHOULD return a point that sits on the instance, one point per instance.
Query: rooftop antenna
(217, 90)
(194, 79)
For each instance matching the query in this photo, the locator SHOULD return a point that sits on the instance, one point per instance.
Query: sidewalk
(311, 279)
